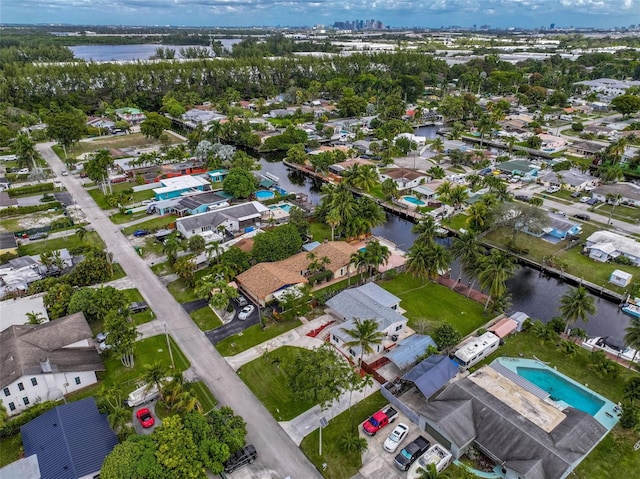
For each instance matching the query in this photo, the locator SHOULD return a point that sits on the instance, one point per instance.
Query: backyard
(424, 300)
(70, 241)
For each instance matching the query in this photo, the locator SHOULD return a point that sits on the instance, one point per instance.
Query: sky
(394, 13)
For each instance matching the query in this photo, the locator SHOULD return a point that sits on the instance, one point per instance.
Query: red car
(145, 417)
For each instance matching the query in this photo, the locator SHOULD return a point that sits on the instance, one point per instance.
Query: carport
(409, 350)
(432, 374)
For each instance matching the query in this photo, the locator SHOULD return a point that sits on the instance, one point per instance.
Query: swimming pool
(413, 200)
(264, 195)
(561, 390)
(283, 206)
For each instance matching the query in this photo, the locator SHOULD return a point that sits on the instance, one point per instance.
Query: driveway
(232, 327)
(192, 306)
(136, 424)
(278, 454)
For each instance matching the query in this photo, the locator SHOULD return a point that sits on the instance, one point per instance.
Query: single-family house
(217, 176)
(510, 421)
(604, 246)
(46, 361)
(133, 116)
(404, 177)
(366, 302)
(555, 228)
(609, 87)
(100, 122)
(629, 193)
(70, 441)
(196, 116)
(179, 185)
(574, 180)
(261, 281)
(418, 140)
(520, 168)
(15, 312)
(233, 219)
(200, 203)
(585, 148)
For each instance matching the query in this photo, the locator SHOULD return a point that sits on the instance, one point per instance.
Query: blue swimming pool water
(414, 200)
(264, 194)
(562, 390)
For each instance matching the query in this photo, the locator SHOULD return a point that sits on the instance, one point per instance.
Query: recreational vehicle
(476, 349)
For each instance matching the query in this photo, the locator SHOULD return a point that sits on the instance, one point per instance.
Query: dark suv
(138, 307)
(411, 452)
(240, 458)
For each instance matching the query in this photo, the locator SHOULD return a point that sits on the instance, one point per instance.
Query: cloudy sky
(395, 13)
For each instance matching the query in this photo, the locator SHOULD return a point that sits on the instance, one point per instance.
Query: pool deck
(607, 415)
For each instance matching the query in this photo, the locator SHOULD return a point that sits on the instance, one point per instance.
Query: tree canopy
(277, 243)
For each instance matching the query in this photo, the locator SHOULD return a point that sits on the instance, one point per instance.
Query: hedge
(13, 426)
(27, 190)
(23, 210)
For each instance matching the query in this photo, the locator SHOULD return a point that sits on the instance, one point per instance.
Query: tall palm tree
(81, 233)
(118, 418)
(444, 192)
(360, 261)
(365, 334)
(427, 261)
(496, 268)
(632, 337)
(366, 178)
(577, 304)
(171, 247)
(377, 255)
(26, 153)
(154, 375)
(477, 216)
(389, 188)
(333, 220)
(467, 249)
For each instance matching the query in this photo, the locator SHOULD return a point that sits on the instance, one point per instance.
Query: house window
(352, 353)
(333, 337)
(6, 391)
(12, 407)
(34, 382)
(399, 327)
(21, 386)
(25, 400)
(77, 380)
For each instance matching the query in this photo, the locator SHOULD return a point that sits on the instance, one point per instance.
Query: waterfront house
(585, 148)
(179, 185)
(556, 228)
(404, 178)
(605, 246)
(233, 219)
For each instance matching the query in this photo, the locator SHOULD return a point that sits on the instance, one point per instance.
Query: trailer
(476, 349)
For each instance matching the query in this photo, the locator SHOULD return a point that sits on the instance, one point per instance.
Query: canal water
(535, 294)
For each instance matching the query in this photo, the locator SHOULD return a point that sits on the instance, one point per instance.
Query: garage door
(437, 436)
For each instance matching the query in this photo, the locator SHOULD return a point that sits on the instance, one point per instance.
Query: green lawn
(181, 292)
(10, 449)
(424, 300)
(156, 223)
(207, 400)
(69, 242)
(119, 219)
(134, 140)
(266, 379)
(615, 452)
(456, 222)
(252, 336)
(161, 269)
(206, 319)
(153, 246)
(621, 212)
(340, 465)
(146, 351)
(320, 231)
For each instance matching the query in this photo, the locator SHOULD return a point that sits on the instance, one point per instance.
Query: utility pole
(166, 335)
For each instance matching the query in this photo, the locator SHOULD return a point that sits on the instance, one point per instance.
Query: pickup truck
(411, 452)
(379, 420)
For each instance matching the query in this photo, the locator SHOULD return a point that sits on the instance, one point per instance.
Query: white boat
(272, 177)
(632, 307)
(436, 455)
(611, 346)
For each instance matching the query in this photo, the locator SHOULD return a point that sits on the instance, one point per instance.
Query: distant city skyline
(394, 13)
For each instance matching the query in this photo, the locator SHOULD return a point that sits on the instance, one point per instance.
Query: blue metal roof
(410, 349)
(432, 373)
(70, 440)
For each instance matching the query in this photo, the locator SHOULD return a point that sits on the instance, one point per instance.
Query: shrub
(27, 190)
(13, 426)
(23, 210)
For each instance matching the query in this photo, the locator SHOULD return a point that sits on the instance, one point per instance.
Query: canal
(531, 292)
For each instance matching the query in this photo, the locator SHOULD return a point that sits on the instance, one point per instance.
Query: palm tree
(377, 255)
(81, 233)
(118, 418)
(333, 220)
(632, 337)
(360, 261)
(467, 249)
(496, 268)
(426, 230)
(427, 260)
(35, 317)
(577, 304)
(26, 153)
(365, 334)
(171, 247)
(389, 188)
(444, 192)
(478, 216)
(430, 472)
(617, 149)
(366, 178)
(154, 375)
(437, 146)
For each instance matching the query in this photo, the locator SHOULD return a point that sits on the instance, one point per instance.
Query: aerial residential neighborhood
(344, 252)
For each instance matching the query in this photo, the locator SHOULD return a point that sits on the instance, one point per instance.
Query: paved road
(279, 456)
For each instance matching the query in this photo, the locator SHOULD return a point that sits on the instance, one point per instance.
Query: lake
(105, 53)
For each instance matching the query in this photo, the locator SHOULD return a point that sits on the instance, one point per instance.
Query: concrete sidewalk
(307, 422)
(296, 337)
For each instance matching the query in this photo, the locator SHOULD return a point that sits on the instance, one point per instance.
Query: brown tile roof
(265, 278)
(22, 348)
(404, 173)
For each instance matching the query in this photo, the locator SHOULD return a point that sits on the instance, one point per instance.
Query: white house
(366, 302)
(46, 361)
(605, 245)
(233, 218)
(629, 193)
(15, 311)
(573, 180)
(404, 178)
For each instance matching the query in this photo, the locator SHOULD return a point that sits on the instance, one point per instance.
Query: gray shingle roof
(22, 348)
(71, 440)
(214, 218)
(465, 412)
(354, 303)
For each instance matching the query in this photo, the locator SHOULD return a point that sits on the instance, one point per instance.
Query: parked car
(379, 420)
(592, 201)
(241, 301)
(396, 437)
(525, 198)
(138, 307)
(575, 194)
(64, 172)
(240, 458)
(37, 236)
(553, 189)
(584, 199)
(246, 312)
(582, 216)
(411, 452)
(145, 417)
(138, 233)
